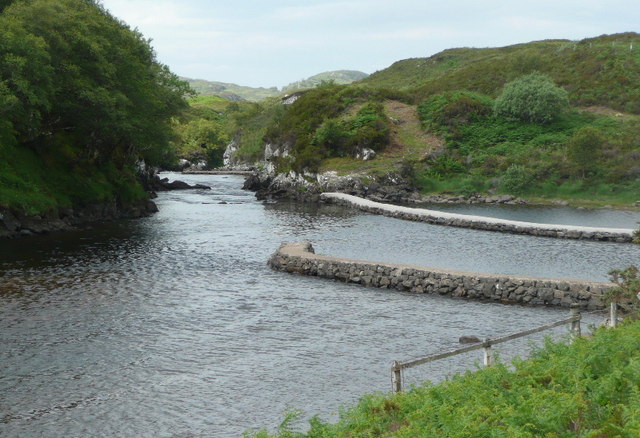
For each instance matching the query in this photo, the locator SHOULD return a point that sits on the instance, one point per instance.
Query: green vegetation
(330, 121)
(627, 288)
(533, 98)
(339, 77)
(586, 389)
(82, 99)
(560, 158)
(201, 132)
(594, 71)
(511, 120)
(241, 93)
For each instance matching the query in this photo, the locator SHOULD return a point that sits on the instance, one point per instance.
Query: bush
(516, 179)
(446, 112)
(627, 286)
(584, 147)
(532, 98)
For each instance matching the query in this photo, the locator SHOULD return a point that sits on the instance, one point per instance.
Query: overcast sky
(274, 42)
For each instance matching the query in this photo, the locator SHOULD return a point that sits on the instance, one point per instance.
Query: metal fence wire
(445, 364)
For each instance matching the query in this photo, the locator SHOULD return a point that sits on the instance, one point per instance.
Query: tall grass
(590, 388)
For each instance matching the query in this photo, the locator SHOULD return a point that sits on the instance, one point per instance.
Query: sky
(266, 43)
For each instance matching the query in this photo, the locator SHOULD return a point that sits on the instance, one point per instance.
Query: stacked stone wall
(300, 258)
(481, 223)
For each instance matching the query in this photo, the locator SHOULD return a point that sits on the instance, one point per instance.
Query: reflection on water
(174, 326)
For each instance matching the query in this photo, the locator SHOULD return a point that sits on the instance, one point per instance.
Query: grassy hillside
(595, 71)
(436, 122)
(586, 389)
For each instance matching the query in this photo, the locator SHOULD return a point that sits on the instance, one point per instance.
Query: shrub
(516, 179)
(627, 286)
(331, 136)
(584, 147)
(446, 112)
(532, 98)
(369, 128)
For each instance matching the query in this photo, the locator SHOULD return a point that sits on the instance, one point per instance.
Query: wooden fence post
(396, 377)
(613, 314)
(488, 354)
(575, 325)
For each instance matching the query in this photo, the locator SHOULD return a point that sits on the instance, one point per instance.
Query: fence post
(488, 353)
(575, 325)
(396, 377)
(613, 314)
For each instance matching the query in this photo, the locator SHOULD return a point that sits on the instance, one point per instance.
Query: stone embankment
(619, 235)
(299, 257)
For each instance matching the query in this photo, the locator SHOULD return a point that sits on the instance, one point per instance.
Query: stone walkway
(300, 258)
(619, 235)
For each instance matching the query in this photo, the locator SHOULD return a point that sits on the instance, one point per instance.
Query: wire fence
(447, 363)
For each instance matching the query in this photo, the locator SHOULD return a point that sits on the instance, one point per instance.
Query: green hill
(231, 91)
(595, 71)
(238, 92)
(340, 77)
(436, 121)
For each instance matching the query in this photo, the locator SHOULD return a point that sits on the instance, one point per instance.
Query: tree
(533, 98)
(80, 74)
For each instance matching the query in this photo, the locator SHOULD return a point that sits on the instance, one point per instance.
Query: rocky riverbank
(390, 188)
(16, 224)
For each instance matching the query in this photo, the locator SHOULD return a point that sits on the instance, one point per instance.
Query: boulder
(469, 339)
(179, 185)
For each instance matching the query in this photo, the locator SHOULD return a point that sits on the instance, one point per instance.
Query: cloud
(279, 41)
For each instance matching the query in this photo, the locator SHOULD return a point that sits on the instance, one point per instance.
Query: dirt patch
(407, 135)
(603, 111)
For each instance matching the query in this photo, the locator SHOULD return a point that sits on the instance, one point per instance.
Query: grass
(590, 388)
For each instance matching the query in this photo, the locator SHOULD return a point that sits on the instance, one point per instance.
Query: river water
(173, 325)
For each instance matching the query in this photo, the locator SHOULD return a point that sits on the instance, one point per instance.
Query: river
(173, 326)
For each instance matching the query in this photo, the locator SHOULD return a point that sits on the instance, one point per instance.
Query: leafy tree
(81, 74)
(202, 139)
(532, 98)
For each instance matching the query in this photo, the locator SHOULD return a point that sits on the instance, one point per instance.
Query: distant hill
(340, 77)
(238, 92)
(231, 91)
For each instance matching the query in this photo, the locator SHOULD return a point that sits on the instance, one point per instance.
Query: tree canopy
(72, 74)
